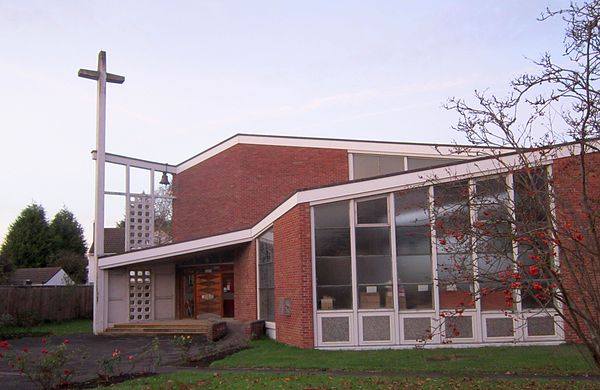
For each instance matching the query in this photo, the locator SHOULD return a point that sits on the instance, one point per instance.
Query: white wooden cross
(102, 77)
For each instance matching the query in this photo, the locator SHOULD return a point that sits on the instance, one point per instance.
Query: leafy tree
(68, 245)
(5, 268)
(163, 216)
(32, 242)
(66, 233)
(27, 243)
(74, 264)
(547, 253)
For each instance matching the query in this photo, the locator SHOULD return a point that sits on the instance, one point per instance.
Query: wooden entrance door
(209, 293)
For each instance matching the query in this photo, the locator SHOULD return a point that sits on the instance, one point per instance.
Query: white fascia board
(136, 162)
(377, 147)
(466, 170)
(182, 248)
(208, 154)
(283, 208)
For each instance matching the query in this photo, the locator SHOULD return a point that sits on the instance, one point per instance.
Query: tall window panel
(492, 237)
(413, 250)
(332, 256)
(266, 276)
(373, 255)
(454, 259)
(532, 208)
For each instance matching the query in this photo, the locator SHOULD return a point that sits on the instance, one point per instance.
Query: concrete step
(156, 331)
(159, 328)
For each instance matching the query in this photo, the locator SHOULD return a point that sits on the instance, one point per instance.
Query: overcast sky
(197, 72)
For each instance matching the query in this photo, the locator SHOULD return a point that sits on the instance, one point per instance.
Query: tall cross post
(102, 77)
(100, 280)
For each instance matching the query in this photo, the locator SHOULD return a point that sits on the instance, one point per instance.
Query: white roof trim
(355, 189)
(352, 146)
(181, 248)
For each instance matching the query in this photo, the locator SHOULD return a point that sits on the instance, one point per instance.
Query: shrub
(7, 320)
(47, 368)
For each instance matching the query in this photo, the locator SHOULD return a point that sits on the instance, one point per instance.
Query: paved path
(89, 349)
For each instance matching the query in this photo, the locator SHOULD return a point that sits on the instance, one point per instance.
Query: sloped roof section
(354, 146)
(22, 276)
(114, 241)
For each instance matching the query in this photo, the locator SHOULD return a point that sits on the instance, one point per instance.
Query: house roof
(36, 275)
(114, 241)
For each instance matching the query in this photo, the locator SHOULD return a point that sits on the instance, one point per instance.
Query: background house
(48, 276)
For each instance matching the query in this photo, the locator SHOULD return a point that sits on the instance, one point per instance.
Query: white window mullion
(351, 211)
(434, 269)
(519, 319)
(478, 323)
(392, 219)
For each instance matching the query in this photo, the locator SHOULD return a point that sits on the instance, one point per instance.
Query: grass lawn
(555, 360)
(51, 328)
(197, 380)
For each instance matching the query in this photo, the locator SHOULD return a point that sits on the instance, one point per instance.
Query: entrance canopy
(178, 250)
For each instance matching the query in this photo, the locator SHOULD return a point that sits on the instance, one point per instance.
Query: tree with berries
(528, 238)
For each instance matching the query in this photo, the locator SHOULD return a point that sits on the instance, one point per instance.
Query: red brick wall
(244, 276)
(570, 210)
(293, 277)
(236, 188)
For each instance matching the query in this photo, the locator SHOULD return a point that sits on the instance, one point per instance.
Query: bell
(164, 180)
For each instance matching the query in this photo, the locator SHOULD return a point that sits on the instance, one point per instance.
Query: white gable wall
(60, 279)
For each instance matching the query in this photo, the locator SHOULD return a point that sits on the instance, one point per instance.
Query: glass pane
(375, 297)
(372, 241)
(415, 296)
(266, 276)
(365, 165)
(420, 163)
(372, 211)
(332, 215)
(531, 200)
(412, 207)
(414, 269)
(495, 296)
(415, 240)
(455, 268)
(332, 242)
(452, 208)
(532, 298)
(333, 271)
(491, 199)
(374, 270)
(265, 251)
(267, 304)
(456, 296)
(391, 164)
(334, 297)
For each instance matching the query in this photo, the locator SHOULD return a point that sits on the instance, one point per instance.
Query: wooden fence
(50, 303)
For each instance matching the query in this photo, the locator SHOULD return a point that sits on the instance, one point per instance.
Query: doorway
(206, 290)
